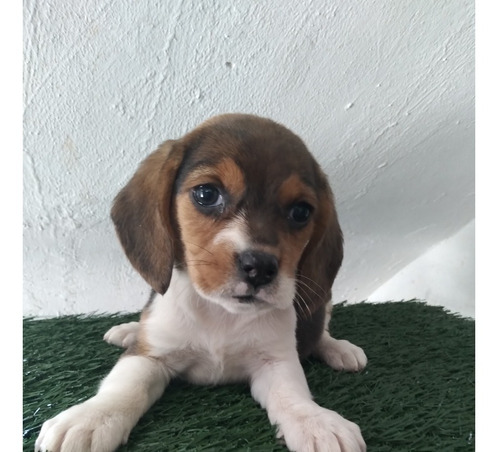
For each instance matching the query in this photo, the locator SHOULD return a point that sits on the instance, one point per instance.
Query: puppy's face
(246, 211)
(242, 203)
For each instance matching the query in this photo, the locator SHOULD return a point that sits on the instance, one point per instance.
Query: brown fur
(208, 265)
(264, 168)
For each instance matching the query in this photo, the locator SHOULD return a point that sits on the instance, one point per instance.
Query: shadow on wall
(444, 275)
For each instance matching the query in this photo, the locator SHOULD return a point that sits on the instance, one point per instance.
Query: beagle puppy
(235, 229)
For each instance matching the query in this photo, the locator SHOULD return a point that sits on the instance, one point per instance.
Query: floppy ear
(322, 257)
(143, 217)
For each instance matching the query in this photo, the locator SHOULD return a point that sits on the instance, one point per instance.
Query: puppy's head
(243, 207)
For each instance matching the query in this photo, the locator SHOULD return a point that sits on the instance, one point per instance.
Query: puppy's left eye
(208, 195)
(299, 214)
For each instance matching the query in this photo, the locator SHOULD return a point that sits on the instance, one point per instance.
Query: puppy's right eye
(208, 195)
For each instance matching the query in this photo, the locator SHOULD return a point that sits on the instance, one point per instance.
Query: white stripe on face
(234, 234)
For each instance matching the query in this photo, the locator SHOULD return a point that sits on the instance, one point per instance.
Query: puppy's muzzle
(257, 268)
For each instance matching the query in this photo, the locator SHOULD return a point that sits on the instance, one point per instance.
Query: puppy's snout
(257, 268)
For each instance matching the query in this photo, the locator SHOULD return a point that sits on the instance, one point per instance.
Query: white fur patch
(204, 340)
(123, 335)
(234, 234)
(340, 354)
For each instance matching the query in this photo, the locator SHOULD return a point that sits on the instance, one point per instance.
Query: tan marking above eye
(293, 189)
(226, 173)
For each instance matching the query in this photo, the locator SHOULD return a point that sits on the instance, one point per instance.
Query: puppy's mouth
(238, 297)
(246, 294)
(247, 298)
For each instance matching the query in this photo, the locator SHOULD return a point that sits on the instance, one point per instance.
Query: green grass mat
(416, 394)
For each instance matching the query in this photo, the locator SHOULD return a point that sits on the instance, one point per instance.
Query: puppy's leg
(123, 335)
(281, 388)
(339, 354)
(104, 422)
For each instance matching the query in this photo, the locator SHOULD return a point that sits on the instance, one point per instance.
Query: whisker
(308, 313)
(200, 264)
(299, 306)
(310, 289)
(197, 263)
(302, 303)
(312, 281)
(199, 246)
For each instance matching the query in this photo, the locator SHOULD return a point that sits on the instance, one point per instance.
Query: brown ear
(322, 257)
(143, 220)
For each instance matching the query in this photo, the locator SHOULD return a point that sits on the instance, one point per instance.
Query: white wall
(382, 93)
(443, 276)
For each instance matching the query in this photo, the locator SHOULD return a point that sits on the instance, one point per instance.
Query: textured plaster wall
(381, 91)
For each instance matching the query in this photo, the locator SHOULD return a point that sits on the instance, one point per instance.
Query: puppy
(235, 229)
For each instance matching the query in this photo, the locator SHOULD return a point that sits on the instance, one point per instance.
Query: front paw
(341, 354)
(320, 430)
(123, 335)
(89, 426)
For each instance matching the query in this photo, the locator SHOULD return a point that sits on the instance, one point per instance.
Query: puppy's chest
(206, 348)
(216, 362)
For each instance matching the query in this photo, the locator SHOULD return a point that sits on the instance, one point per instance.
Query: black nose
(257, 268)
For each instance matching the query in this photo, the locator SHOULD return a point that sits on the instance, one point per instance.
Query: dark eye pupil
(300, 213)
(206, 195)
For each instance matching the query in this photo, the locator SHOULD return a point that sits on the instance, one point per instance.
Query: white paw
(341, 354)
(123, 335)
(90, 426)
(320, 430)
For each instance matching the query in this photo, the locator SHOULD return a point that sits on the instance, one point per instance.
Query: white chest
(205, 344)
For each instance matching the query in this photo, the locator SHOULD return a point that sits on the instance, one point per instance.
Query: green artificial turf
(416, 394)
